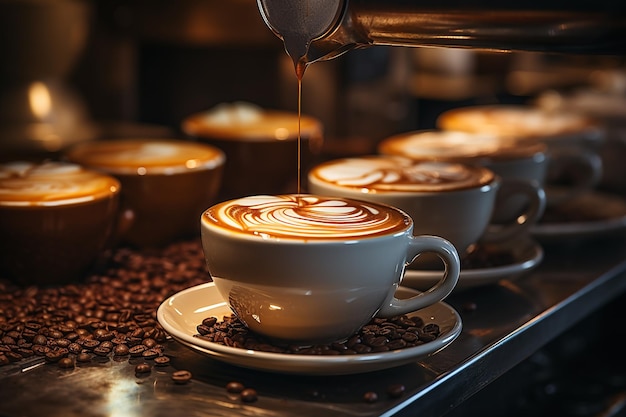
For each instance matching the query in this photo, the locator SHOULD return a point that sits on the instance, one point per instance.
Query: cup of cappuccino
(55, 221)
(573, 141)
(452, 200)
(261, 146)
(309, 269)
(166, 183)
(511, 160)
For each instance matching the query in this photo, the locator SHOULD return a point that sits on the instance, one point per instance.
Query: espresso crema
(447, 145)
(52, 184)
(146, 156)
(306, 217)
(245, 121)
(379, 174)
(514, 121)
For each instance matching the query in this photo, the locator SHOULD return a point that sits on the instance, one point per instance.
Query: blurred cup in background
(261, 146)
(56, 220)
(166, 183)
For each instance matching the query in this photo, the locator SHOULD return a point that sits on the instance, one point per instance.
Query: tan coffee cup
(55, 221)
(509, 159)
(572, 139)
(451, 200)
(166, 183)
(311, 269)
(261, 146)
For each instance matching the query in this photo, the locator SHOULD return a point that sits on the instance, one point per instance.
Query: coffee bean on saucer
(181, 377)
(249, 395)
(235, 387)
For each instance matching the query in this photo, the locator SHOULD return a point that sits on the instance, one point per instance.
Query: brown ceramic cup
(56, 219)
(166, 183)
(261, 146)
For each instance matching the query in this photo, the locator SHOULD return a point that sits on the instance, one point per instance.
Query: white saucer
(526, 252)
(181, 313)
(597, 214)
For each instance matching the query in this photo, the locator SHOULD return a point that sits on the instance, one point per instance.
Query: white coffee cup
(573, 141)
(452, 200)
(311, 269)
(509, 159)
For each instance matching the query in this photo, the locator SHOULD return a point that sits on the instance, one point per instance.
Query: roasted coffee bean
(209, 321)
(137, 350)
(143, 368)
(88, 344)
(396, 390)
(55, 355)
(235, 387)
(370, 397)
(121, 350)
(102, 351)
(149, 343)
(40, 350)
(66, 363)
(181, 377)
(380, 335)
(150, 354)
(83, 357)
(74, 348)
(249, 395)
(162, 361)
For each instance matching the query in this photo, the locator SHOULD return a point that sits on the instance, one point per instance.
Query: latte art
(395, 174)
(306, 217)
(52, 183)
(440, 144)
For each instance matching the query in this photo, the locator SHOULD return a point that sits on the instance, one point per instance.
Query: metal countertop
(508, 321)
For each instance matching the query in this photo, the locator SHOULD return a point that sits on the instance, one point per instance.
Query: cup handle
(536, 198)
(450, 257)
(124, 221)
(587, 162)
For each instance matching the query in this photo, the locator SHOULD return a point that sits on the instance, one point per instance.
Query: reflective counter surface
(503, 324)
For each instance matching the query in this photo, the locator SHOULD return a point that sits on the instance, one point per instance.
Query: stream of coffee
(300, 67)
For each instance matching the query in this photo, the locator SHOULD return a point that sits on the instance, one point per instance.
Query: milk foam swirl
(52, 183)
(306, 217)
(396, 174)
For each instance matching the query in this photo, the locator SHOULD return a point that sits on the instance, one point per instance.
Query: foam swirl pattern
(396, 174)
(52, 183)
(306, 217)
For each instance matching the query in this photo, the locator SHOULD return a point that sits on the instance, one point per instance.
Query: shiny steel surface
(512, 320)
(323, 29)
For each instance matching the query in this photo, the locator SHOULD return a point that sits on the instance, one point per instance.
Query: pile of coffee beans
(379, 335)
(111, 314)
